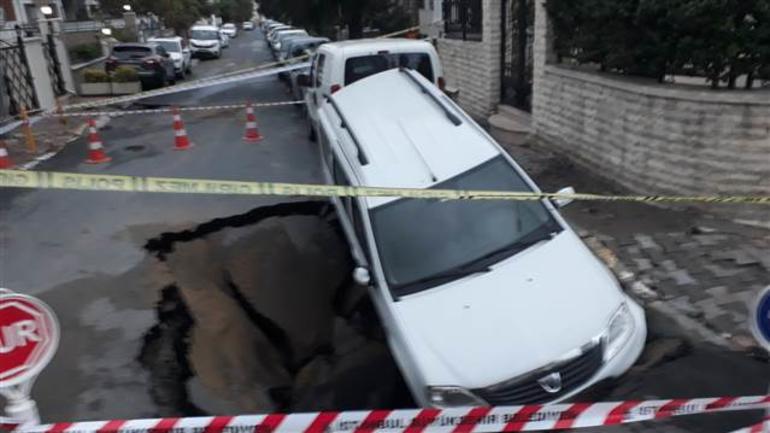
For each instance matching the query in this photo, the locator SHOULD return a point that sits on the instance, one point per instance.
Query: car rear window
(357, 68)
(131, 52)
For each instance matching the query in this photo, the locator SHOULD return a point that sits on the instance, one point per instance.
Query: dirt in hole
(262, 315)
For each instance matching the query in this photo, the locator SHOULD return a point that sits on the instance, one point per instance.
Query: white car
(483, 302)
(205, 41)
(280, 36)
(230, 30)
(180, 54)
(339, 64)
(224, 39)
(248, 25)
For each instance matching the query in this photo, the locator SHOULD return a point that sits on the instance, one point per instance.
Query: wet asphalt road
(82, 253)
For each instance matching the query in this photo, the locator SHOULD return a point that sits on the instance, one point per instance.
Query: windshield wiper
(452, 274)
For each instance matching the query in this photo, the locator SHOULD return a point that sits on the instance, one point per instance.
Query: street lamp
(46, 10)
(127, 8)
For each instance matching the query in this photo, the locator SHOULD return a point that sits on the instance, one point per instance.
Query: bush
(718, 39)
(95, 76)
(85, 52)
(125, 74)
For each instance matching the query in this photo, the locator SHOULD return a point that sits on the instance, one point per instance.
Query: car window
(357, 68)
(320, 70)
(204, 35)
(454, 234)
(169, 46)
(352, 208)
(131, 52)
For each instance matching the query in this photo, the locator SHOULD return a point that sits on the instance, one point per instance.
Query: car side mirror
(361, 276)
(562, 202)
(303, 80)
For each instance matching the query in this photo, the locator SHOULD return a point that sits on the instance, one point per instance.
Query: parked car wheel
(181, 74)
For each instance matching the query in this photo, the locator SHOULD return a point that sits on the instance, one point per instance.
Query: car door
(165, 59)
(313, 96)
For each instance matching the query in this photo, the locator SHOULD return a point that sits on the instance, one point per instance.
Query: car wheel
(181, 75)
(312, 135)
(163, 79)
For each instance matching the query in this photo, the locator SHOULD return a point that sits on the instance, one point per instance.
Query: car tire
(181, 75)
(312, 136)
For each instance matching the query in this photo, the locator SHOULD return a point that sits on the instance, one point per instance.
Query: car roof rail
(361, 154)
(456, 121)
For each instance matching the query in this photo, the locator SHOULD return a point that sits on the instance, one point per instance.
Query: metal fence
(17, 77)
(91, 26)
(463, 19)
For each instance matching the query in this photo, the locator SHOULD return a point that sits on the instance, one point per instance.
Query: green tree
(322, 16)
(176, 14)
(234, 10)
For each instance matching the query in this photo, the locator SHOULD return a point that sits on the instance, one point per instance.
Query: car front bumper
(610, 369)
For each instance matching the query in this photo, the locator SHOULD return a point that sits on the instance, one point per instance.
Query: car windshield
(131, 52)
(171, 47)
(457, 234)
(358, 68)
(204, 35)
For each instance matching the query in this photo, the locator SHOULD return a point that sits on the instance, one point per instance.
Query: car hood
(534, 308)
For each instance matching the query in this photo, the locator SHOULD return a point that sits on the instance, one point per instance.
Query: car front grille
(574, 373)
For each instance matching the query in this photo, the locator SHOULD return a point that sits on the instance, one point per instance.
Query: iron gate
(15, 73)
(54, 66)
(516, 53)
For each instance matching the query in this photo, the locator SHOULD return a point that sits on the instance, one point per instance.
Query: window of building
(463, 19)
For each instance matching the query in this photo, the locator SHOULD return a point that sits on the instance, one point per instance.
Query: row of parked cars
(482, 302)
(164, 60)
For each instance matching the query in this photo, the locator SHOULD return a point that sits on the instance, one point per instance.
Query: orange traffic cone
(181, 141)
(252, 133)
(96, 153)
(5, 160)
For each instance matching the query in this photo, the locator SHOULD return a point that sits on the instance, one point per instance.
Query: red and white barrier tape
(762, 427)
(192, 85)
(171, 109)
(454, 420)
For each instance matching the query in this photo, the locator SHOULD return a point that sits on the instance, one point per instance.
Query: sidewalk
(51, 135)
(701, 270)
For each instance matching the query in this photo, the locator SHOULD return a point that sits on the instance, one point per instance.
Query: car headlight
(452, 396)
(277, 45)
(620, 329)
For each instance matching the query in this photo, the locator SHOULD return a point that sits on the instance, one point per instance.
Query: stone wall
(652, 138)
(473, 67)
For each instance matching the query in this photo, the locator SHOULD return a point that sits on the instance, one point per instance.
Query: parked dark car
(151, 61)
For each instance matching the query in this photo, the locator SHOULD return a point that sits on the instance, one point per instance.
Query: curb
(650, 299)
(74, 134)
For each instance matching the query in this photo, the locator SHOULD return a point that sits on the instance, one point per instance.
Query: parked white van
(341, 64)
(483, 302)
(205, 41)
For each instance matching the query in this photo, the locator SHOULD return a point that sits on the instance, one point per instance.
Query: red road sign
(29, 336)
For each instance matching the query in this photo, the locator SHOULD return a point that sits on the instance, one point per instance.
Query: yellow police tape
(99, 182)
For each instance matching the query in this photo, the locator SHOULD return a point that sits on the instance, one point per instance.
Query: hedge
(718, 39)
